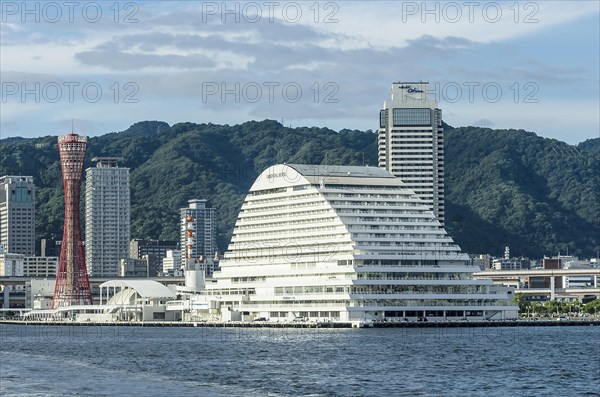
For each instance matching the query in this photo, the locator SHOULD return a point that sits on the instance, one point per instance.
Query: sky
(103, 66)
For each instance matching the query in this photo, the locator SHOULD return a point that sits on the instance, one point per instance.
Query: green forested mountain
(503, 187)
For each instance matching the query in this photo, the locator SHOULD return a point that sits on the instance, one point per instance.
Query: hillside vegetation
(503, 187)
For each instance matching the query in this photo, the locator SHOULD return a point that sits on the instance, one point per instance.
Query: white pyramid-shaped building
(345, 244)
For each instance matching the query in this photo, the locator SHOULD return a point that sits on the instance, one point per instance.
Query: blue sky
(537, 69)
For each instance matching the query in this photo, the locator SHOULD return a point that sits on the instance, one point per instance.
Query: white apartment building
(17, 214)
(204, 223)
(411, 142)
(107, 216)
(348, 244)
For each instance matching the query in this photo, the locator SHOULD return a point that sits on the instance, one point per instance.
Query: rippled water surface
(139, 361)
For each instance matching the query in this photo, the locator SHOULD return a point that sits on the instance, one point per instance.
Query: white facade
(107, 217)
(38, 293)
(346, 243)
(411, 142)
(40, 266)
(11, 265)
(17, 214)
(172, 262)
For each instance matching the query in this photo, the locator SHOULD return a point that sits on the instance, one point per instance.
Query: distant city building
(38, 293)
(40, 266)
(212, 265)
(133, 267)
(511, 264)
(208, 265)
(483, 261)
(49, 247)
(564, 259)
(11, 265)
(107, 216)
(586, 281)
(17, 214)
(411, 142)
(551, 263)
(138, 248)
(171, 263)
(204, 220)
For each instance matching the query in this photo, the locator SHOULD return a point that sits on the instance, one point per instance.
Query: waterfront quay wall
(257, 324)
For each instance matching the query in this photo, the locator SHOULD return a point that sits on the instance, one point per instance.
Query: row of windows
(420, 289)
(415, 147)
(356, 236)
(283, 222)
(266, 217)
(410, 160)
(414, 275)
(392, 228)
(283, 206)
(424, 302)
(393, 204)
(389, 220)
(315, 234)
(396, 262)
(406, 245)
(281, 199)
(368, 197)
(297, 232)
(313, 289)
(345, 211)
(319, 314)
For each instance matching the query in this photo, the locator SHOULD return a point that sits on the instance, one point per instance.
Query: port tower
(72, 282)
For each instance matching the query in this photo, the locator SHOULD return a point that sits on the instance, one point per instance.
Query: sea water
(173, 361)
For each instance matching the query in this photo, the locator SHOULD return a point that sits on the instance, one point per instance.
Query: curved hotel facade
(347, 243)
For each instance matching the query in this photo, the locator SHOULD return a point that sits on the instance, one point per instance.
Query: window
(383, 118)
(411, 117)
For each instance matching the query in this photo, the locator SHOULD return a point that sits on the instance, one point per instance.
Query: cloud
(122, 61)
(175, 53)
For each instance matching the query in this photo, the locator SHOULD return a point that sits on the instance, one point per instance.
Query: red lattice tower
(72, 282)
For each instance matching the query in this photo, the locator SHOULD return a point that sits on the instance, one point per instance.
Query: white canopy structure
(134, 290)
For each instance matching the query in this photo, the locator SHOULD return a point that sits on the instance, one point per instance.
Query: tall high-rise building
(411, 142)
(107, 216)
(17, 214)
(204, 237)
(72, 283)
